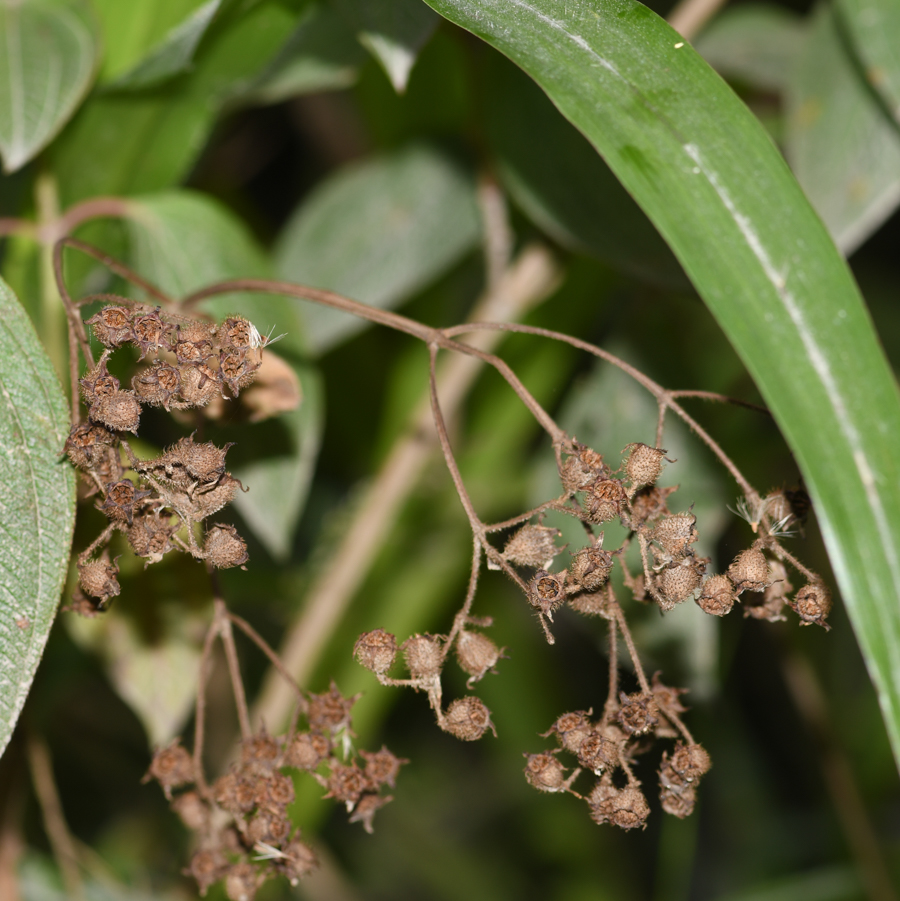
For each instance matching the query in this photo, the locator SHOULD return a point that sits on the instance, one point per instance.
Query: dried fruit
(749, 571)
(644, 464)
(98, 578)
(532, 545)
(119, 411)
(604, 500)
(812, 604)
(675, 534)
(476, 654)
(467, 718)
(547, 591)
(591, 567)
(717, 597)
(376, 650)
(423, 655)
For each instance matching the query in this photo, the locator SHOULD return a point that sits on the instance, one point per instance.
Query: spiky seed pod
(268, 827)
(211, 500)
(237, 332)
(150, 537)
(774, 597)
(423, 656)
(171, 767)
(812, 604)
(297, 860)
(678, 581)
(467, 719)
(644, 464)
(678, 803)
(203, 462)
(598, 752)
(592, 603)
(98, 382)
(477, 655)
(545, 773)
(122, 500)
(242, 881)
(193, 811)
(97, 578)
(626, 808)
(197, 388)
(717, 596)
(148, 331)
(778, 509)
(279, 791)
(532, 545)
(582, 468)
(307, 750)
(675, 534)
(547, 591)
(157, 385)
(192, 343)
(749, 571)
(650, 503)
(207, 867)
(197, 331)
(571, 730)
(87, 442)
(382, 767)
(237, 370)
(260, 749)
(376, 650)
(689, 761)
(119, 411)
(604, 500)
(366, 808)
(591, 567)
(112, 326)
(329, 711)
(224, 548)
(667, 698)
(638, 713)
(346, 783)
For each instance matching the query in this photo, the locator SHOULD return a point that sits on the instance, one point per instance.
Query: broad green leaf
(393, 31)
(874, 29)
(563, 185)
(754, 43)
(378, 232)
(174, 53)
(712, 182)
(48, 58)
(183, 241)
(37, 505)
(322, 55)
(842, 146)
(280, 479)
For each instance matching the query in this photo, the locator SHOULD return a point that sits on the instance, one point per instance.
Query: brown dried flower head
(675, 534)
(376, 650)
(749, 571)
(545, 773)
(582, 468)
(171, 767)
(224, 548)
(423, 656)
(532, 545)
(307, 750)
(644, 464)
(604, 500)
(547, 591)
(467, 718)
(638, 713)
(477, 654)
(717, 597)
(812, 604)
(679, 580)
(98, 578)
(626, 808)
(571, 729)
(119, 411)
(591, 567)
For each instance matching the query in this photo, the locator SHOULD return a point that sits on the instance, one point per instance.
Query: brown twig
(689, 16)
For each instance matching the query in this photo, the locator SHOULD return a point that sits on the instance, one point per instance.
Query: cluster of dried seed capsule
(244, 835)
(671, 572)
(158, 506)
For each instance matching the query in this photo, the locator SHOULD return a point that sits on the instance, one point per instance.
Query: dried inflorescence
(156, 503)
(244, 835)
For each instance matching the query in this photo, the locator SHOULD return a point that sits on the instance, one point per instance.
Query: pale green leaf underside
(47, 53)
(378, 233)
(37, 505)
(715, 186)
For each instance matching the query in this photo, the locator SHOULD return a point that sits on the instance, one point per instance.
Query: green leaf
(37, 505)
(279, 481)
(563, 185)
(842, 146)
(48, 56)
(874, 28)
(174, 54)
(755, 43)
(712, 182)
(393, 31)
(183, 241)
(378, 232)
(321, 55)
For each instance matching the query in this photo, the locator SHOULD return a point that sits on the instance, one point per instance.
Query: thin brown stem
(234, 669)
(721, 399)
(200, 707)
(462, 616)
(101, 539)
(613, 692)
(632, 650)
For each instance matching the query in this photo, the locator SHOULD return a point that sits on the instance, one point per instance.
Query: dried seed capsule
(203, 462)
(236, 369)
(678, 581)
(207, 867)
(307, 750)
(260, 749)
(171, 767)
(626, 808)
(269, 827)
(157, 385)
(98, 382)
(148, 331)
(650, 503)
(532, 545)
(423, 656)
(638, 713)
(749, 571)
(366, 808)
(211, 499)
(122, 501)
(545, 773)
(774, 597)
(467, 719)
(382, 767)
(591, 567)
(689, 761)
(346, 783)
(675, 534)
(98, 578)
(199, 386)
(547, 591)
(150, 537)
(644, 464)
(118, 411)
(599, 751)
(237, 332)
(604, 500)
(571, 729)
(667, 698)
(329, 711)
(812, 604)
(193, 810)
(477, 655)
(224, 548)
(717, 597)
(678, 803)
(582, 468)
(376, 650)
(297, 860)
(112, 326)
(242, 881)
(87, 443)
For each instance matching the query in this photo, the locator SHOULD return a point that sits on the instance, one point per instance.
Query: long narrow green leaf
(37, 505)
(715, 186)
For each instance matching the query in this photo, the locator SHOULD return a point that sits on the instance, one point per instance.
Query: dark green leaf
(37, 505)
(378, 233)
(49, 51)
(563, 185)
(393, 31)
(842, 146)
(714, 185)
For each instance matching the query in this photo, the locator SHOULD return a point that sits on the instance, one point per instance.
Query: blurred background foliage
(356, 146)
